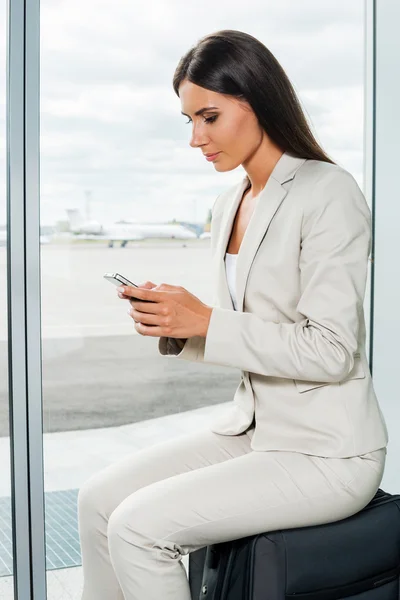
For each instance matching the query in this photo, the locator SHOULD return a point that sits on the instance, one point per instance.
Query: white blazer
(298, 336)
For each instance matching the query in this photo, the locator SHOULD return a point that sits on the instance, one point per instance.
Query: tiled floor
(62, 538)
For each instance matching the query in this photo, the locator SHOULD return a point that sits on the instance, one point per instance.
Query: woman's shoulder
(317, 178)
(326, 184)
(322, 172)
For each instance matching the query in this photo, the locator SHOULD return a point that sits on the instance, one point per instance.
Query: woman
(304, 440)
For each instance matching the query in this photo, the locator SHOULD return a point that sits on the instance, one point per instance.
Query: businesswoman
(304, 441)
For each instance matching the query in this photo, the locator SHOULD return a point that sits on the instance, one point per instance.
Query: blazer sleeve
(333, 263)
(185, 348)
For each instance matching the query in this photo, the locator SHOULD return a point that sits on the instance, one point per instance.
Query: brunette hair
(236, 63)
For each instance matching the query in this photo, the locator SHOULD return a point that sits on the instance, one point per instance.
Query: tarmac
(97, 371)
(107, 381)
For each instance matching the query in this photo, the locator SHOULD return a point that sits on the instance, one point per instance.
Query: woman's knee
(120, 531)
(92, 498)
(116, 524)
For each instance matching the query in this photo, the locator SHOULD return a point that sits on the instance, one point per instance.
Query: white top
(230, 265)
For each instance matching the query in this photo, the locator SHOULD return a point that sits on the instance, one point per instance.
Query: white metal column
(382, 153)
(23, 274)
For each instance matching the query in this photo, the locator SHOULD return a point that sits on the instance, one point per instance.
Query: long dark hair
(236, 63)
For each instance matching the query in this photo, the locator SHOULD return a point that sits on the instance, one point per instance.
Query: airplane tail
(74, 218)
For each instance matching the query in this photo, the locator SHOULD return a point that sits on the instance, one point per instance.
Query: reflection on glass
(122, 191)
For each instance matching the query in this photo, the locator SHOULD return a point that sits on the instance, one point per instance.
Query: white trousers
(139, 516)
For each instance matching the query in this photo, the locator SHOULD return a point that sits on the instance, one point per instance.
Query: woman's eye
(207, 120)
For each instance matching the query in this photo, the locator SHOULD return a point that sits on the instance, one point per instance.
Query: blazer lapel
(267, 205)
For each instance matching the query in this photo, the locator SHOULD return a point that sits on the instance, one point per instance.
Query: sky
(113, 142)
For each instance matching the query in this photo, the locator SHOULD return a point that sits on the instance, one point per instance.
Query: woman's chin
(223, 166)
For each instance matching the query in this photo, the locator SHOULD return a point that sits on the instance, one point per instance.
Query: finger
(123, 296)
(148, 285)
(148, 330)
(128, 291)
(146, 318)
(153, 308)
(167, 287)
(142, 294)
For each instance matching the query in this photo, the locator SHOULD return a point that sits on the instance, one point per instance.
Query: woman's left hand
(172, 311)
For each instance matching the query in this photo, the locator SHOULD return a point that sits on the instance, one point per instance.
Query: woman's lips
(212, 156)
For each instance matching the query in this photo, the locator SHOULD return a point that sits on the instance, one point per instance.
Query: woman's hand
(172, 311)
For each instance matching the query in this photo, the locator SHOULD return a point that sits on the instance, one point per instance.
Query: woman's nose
(197, 139)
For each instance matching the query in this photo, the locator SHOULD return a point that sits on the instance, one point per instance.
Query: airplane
(124, 232)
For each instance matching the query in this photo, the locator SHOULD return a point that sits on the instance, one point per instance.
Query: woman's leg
(253, 492)
(103, 492)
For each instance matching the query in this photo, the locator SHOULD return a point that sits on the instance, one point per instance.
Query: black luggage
(356, 558)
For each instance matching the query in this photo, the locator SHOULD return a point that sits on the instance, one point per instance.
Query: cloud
(111, 122)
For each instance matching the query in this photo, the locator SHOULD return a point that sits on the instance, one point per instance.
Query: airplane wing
(110, 238)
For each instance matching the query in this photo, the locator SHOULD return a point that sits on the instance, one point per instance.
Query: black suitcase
(356, 558)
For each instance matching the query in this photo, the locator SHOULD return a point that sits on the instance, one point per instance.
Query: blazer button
(204, 589)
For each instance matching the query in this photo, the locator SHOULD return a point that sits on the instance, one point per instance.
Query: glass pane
(6, 550)
(120, 185)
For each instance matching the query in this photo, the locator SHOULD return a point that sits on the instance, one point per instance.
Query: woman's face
(227, 126)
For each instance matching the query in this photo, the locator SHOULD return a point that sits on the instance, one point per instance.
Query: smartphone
(118, 279)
